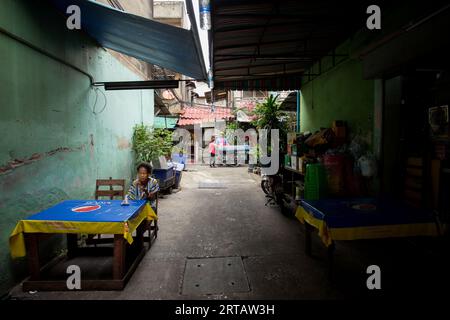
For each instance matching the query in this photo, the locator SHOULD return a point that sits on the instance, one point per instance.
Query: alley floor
(218, 240)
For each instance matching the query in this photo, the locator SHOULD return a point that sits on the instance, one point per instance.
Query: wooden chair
(152, 227)
(110, 193)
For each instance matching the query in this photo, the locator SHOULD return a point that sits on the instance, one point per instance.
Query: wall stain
(123, 143)
(91, 145)
(16, 163)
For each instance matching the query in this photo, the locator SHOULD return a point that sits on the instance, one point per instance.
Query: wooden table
(362, 218)
(76, 217)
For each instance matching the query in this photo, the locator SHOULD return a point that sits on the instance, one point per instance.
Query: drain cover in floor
(211, 185)
(215, 276)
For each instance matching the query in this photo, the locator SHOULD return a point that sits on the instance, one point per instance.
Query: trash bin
(165, 177)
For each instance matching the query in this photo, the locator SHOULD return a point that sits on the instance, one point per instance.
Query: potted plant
(268, 115)
(149, 144)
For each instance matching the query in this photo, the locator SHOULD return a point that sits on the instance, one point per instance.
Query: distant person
(221, 143)
(212, 152)
(144, 187)
(247, 149)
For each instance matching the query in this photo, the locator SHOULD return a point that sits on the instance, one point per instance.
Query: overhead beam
(138, 85)
(270, 42)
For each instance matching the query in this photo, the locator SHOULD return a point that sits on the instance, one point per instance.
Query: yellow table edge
(17, 239)
(328, 235)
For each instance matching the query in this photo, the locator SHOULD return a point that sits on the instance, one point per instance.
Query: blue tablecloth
(343, 213)
(365, 218)
(90, 211)
(83, 216)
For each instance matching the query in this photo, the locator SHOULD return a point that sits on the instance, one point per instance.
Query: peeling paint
(16, 163)
(54, 113)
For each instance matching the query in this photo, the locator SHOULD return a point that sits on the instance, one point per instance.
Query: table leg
(72, 245)
(32, 246)
(155, 225)
(308, 243)
(119, 257)
(140, 230)
(330, 250)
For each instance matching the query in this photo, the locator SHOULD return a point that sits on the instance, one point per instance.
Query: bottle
(125, 201)
(205, 14)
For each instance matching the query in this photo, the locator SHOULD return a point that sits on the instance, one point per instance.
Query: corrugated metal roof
(270, 44)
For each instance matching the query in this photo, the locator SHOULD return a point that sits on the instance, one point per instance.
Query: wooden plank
(139, 241)
(95, 251)
(112, 182)
(134, 266)
(99, 241)
(61, 285)
(109, 193)
(72, 244)
(32, 247)
(152, 228)
(330, 253)
(86, 285)
(119, 257)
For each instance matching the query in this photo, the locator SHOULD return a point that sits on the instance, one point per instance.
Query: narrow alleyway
(220, 212)
(218, 240)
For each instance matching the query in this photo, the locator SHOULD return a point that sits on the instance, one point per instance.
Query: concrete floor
(234, 222)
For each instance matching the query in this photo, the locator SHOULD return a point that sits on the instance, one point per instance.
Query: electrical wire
(95, 102)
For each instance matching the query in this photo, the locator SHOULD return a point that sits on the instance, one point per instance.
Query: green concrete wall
(339, 93)
(48, 121)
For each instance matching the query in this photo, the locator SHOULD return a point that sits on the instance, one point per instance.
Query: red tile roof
(191, 115)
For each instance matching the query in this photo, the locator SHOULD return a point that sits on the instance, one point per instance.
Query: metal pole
(298, 110)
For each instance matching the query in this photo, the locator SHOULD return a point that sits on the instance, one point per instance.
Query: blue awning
(160, 44)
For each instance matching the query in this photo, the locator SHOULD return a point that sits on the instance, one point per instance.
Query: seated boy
(144, 187)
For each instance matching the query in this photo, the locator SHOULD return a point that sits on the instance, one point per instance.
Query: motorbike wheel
(265, 186)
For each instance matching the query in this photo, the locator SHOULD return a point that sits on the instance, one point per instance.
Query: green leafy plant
(149, 144)
(270, 116)
(230, 133)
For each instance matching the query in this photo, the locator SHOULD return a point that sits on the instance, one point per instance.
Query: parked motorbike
(272, 186)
